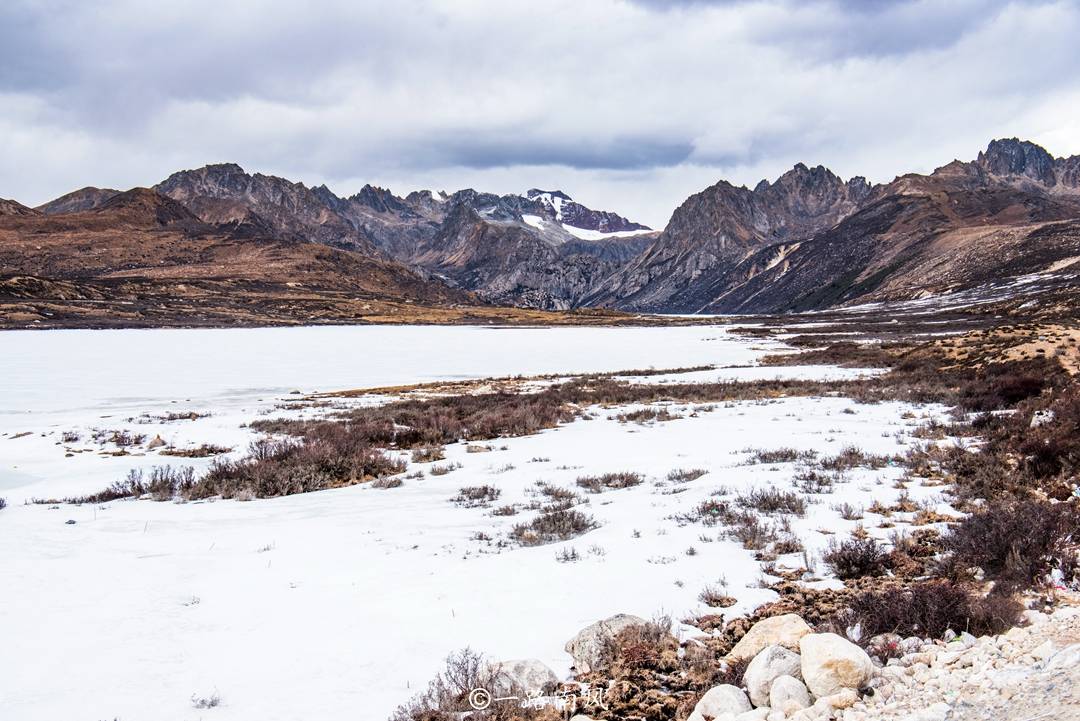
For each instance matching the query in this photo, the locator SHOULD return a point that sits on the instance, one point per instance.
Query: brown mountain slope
(78, 201)
(144, 248)
(13, 207)
(810, 241)
(919, 236)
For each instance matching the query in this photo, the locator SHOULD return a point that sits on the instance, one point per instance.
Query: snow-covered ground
(341, 604)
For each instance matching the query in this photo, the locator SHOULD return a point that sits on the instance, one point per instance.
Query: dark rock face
(811, 241)
(718, 227)
(485, 244)
(511, 249)
(226, 194)
(1015, 157)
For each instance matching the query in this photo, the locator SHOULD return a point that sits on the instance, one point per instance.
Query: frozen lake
(343, 603)
(89, 370)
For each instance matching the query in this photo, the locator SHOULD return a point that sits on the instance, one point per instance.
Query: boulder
(720, 701)
(831, 663)
(788, 694)
(528, 675)
(758, 714)
(155, 442)
(586, 648)
(785, 630)
(769, 665)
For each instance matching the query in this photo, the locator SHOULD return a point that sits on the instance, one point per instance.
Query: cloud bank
(626, 105)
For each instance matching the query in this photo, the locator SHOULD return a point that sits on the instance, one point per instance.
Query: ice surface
(342, 604)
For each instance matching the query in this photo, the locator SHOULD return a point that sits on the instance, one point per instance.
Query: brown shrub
(1018, 543)
(855, 558)
(928, 609)
(610, 481)
(552, 526)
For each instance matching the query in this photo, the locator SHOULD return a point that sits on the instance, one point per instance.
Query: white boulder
(720, 701)
(788, 694)
(586, 648)
(769, 665)
(528, 675)
(758, 714)
(831, 663)
(785, 630)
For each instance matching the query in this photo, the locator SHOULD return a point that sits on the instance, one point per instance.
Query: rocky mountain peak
(1014, 157)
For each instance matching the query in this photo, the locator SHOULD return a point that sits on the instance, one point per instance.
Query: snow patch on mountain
(584, 234)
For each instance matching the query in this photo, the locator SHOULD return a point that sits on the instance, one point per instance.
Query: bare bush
(1018, 543)
(428, 454)
(610, 481)
(447, 695)
(331, 458)
(685, 475)
(780, 455)
(476, 496)
(771, 500)
(202, 451)
(551, 526)
(928, 609)
(855, 558)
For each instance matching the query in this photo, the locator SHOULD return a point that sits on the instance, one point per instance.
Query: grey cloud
(625, 101)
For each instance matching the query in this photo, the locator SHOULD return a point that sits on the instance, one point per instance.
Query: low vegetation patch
(855, 558)
(447, 695)
(1018, 543)
(685, 475)
(477, 496)
(330, 458)
(552, 526)
(610, 481)
(204, 451)
(772, 501)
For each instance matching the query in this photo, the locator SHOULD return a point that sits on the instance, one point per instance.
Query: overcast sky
(626, 105)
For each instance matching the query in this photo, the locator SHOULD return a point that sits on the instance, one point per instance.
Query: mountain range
(808, 240)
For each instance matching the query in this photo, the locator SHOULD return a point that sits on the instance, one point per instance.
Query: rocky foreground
(1028, 673)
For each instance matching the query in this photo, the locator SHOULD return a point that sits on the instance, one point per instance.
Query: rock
(772, 663)
(155, 442)
(831, 664)
(758, 714)
(788, 694)
(528, 675)
(579, 717)
(1041, 418)
(845, 698)
(785, 630)
(936, 712)
(1043, 651)
(1033, 618)
(587, 646)
(1068, 657)
(722, 700)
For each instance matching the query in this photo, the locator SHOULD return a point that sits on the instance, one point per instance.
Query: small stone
(1043, 651)
(845, 698)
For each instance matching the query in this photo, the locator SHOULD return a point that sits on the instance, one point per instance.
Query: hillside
(812, 241)
(142, 258)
